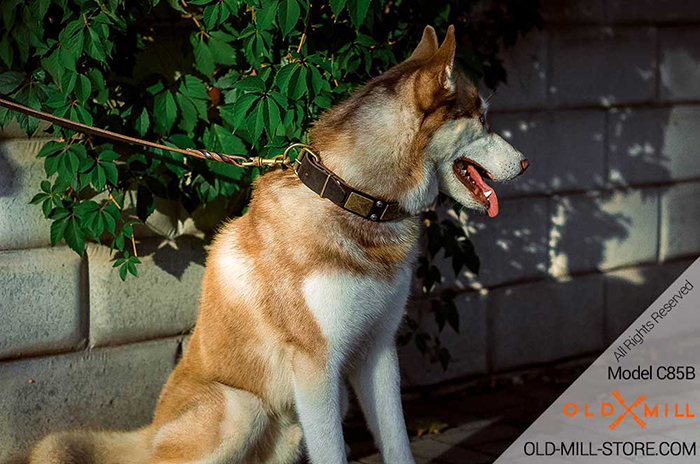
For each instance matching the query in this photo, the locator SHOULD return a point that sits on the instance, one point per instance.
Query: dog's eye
(482, 120)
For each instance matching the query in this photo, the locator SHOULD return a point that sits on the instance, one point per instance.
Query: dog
(302, 296)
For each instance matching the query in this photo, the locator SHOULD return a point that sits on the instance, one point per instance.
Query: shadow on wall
(162, 253)
(8, 175)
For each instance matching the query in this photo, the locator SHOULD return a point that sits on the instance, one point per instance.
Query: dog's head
(417, 129)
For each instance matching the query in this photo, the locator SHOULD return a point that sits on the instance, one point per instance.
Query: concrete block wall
(605, 102)
(79, 347)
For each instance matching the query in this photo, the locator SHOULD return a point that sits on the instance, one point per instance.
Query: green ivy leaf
(38, 198)
(193, 87)
(6, 52)
(165, 111)
(273, 118)
(111, 172)
(52, 63)
(68, 164)
(280, 99)
(288, 15)
(72, 40)
(99, 177)
(235, 113)
(50, 148)
(122, 272)
(143, 122)
(10, 80)
(251, 84)
(291, 80)
(358, 11)
(83, 87)
(221, 51)
(94, 46)
(204, 60)
(337, 7)
(227, 142)
(297, 84)
(266, 15)
(256, 120)
(68, 81)
(110, 217)
(132, 268)
(108, 155)
(188, 113)
(211, 15)
(58, 228)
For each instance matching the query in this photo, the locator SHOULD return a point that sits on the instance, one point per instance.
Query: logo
(635, 411)
(637, 402)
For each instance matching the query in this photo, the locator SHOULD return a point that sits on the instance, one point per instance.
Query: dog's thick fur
(300, 296)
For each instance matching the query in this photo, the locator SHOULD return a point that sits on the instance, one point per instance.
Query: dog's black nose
(524, 164)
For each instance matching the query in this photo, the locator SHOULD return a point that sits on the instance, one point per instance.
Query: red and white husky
(301, 296)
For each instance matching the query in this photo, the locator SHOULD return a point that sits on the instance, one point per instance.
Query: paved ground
(473, 426)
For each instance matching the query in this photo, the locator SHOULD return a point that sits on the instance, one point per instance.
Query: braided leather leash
(235, 160)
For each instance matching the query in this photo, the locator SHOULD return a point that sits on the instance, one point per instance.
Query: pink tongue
(493, 200)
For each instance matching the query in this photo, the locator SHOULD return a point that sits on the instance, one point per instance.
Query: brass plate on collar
(392, 211)
(358, 204)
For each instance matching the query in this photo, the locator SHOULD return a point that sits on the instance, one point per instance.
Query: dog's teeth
(488, 194)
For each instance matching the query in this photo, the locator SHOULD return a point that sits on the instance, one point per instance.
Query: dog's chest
(352, 309)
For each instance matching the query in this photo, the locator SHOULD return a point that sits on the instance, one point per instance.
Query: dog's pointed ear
(444, 60)
(435, 81)
(428, 45)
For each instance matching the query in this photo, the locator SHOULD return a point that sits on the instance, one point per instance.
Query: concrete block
(679, 67)
(526, 64)
(512, 246)
(546, 321)
(113, 388)
(603, 230)
(573, 12)
(681, 141)
(652, 11)
(467, 348)
(566, 150)
(680, 221)
(635, 146)
(40, 302)
(630, 291)
(653, 145)
(21, 225)
(161, 302)
(602, 66)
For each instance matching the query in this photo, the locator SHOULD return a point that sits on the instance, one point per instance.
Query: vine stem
(133, 245)
(114, 201)
(306, 28)
(190, 15)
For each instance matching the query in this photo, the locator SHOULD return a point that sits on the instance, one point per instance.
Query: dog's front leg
(377, 384)
(317, 397)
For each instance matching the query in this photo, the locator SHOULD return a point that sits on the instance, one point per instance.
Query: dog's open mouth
(472, 177)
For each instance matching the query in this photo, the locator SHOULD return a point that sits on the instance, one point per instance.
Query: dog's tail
(93, 447)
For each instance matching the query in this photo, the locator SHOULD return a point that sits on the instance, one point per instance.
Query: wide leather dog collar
(326, 184)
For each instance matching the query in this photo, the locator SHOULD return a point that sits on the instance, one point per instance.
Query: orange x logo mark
(639, 421)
